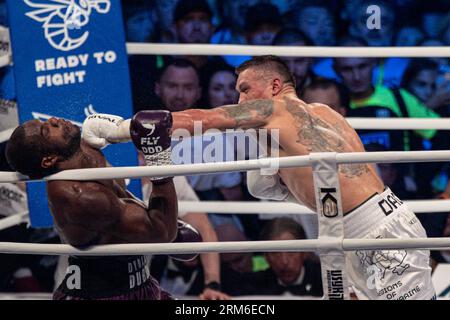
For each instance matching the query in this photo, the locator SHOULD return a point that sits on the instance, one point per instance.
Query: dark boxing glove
(186, 233)
(151, 134)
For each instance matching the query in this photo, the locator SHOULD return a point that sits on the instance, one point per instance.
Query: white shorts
(387, 274)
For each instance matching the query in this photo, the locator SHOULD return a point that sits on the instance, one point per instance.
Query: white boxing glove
(99, 130)
(266, 186)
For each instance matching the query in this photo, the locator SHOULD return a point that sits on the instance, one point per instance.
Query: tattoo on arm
(319, 136)
(253, 113)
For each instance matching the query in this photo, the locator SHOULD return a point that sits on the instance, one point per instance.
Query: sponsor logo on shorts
(138, 272)
(335, 285)
(329, 202)
(385, 261)
(390, 203)
(6, 105)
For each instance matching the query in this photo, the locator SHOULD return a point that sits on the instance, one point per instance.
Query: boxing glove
(186, 233)
(151, 134)
(267, 187)
(99, 130)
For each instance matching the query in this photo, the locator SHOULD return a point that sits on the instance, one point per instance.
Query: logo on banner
(62, 20)
(329, 202)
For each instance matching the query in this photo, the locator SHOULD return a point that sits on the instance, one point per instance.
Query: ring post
(331, 225)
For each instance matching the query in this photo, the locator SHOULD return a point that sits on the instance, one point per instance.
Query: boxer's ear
(49, 162)
(277, 85)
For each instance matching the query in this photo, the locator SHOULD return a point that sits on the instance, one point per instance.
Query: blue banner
(70, 61)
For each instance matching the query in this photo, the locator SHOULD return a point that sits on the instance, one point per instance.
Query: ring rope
(255, 207)
(230, 166)
(297, 51)
(224, 49)
(360, 124)
(232, 246)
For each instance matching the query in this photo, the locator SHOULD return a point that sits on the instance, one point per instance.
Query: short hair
(277, 226)
(325, 83)
(260, 14)
(269, 63)
(185, 7)
(291, 35)
(178, 63)
(414, 68)
(24, 154)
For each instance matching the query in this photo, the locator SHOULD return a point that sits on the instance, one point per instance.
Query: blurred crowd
(354, 87)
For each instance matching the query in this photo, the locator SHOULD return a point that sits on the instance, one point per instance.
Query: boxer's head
(36, 148)
(263, 77)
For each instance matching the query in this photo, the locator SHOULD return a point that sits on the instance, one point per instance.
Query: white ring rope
(256, 207)
(275, 207)
(245, 50)
(242, 165)
(297, 51)
(234, 246)
(399, 123)
(360, 124)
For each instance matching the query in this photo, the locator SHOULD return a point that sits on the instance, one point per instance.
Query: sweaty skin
(103, 212)
(303, 128)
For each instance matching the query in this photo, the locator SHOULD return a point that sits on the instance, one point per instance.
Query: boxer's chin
(73, 143)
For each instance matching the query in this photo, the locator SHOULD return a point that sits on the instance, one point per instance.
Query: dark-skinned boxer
(90, 213)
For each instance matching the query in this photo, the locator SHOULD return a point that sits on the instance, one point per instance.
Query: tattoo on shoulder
(250, 112)
(319, 136)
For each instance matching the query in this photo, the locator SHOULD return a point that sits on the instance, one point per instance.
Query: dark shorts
(148, 291)
(109, 278)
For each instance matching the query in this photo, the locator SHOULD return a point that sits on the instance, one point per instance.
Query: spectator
(139, 21)
(316, 20)
(262, 22)
(179, 89)
(379, 101)
(292, 273)
(300, 67)
(193, 24)
(329, 92)
(433, 15)
(383, 36)
(165, 28)
(218, 81)
(420, 79)
(236, 266)
(409, 36)
(231, 30)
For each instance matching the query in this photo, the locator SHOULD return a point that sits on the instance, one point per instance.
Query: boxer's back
(306, 128)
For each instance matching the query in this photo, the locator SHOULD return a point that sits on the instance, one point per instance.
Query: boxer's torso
(63, 211)
(306, 128)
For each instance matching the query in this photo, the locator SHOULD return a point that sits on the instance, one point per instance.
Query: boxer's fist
(151, 134)
(186, 233)
(100, 130)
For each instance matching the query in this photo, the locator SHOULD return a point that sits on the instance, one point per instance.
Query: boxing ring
(426, 206)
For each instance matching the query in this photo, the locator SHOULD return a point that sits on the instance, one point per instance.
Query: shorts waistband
(359, 222)
(105, 276)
